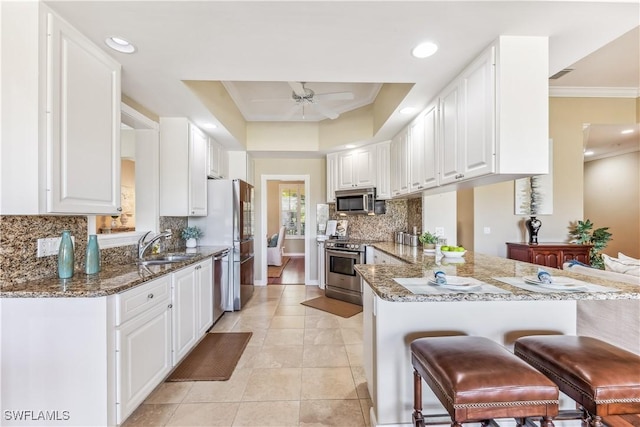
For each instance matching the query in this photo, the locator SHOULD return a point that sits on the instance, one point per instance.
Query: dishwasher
(220, 284)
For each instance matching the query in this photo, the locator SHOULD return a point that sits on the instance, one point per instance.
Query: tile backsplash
(19, 236)
(401, 215)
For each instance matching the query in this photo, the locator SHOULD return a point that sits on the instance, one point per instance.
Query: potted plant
(191, 235)
(428, 240)
(581, 233)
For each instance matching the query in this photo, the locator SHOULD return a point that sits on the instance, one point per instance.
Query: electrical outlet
(50, 246)
(487, 230)
(439, 231)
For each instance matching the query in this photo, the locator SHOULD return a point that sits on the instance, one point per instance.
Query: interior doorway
(286, 224)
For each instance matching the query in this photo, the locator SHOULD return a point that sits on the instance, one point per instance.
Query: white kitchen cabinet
(416, 153)
(467, 122)
(61, 136)
(143, 343)
(204, 295)
(357, 168)
(241, 166)
(183, 168)
(431, 161)
(380, 257)
(399, 164)
(332, 176)
(218, 160)
(383, 170)
(192, 289)
(321, 264)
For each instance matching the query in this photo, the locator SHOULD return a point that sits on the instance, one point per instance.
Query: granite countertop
(112, 279)
(481, 267)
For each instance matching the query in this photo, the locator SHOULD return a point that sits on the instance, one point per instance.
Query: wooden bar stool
(477, 379)
(602, 378)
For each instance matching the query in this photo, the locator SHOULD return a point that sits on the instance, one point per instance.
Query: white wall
(439, 210)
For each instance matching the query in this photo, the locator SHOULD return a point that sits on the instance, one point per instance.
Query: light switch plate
(487, 230)
(439, 231)
(50, 246)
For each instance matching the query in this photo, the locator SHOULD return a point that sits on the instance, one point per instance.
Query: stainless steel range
(342, 281)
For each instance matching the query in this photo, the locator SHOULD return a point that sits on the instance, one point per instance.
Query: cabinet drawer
(142, 298)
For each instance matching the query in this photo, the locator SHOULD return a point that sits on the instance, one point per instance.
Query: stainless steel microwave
(356, 201)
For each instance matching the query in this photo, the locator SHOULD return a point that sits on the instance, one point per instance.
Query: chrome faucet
(142, 246)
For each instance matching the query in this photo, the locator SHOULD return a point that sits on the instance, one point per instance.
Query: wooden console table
(548, 254)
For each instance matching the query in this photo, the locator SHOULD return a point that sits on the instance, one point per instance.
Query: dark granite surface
(479, 266)
(112, 279)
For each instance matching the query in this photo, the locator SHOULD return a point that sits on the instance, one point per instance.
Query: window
(292, 208)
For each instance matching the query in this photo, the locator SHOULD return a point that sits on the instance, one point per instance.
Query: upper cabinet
(489, 124)
(183, 168)
(357, 168)
(399, 164)
(467, 122)
(218, 160)
(61, 139)
(383, 178)
(332, 176)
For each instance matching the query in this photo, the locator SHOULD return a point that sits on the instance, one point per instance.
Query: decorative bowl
(450, 254)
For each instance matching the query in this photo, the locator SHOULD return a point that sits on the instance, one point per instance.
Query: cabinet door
(478, 82)
(143, 348)
(346, 170)
(450, 134)
(197, 172)
(204, 280)
(383, 170)
(547, 257)
(83, 124)
(365, 167)
(184, 309)
(214, 170)
(332, 177)
(416, 154)
(399, 160)
(430, 158)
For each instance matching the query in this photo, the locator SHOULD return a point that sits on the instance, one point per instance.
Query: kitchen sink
(166, 258)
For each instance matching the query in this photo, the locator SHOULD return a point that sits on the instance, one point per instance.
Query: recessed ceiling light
(407, 110)
(627, 131)
(424, 50)
(588, 153)
(210, 126)
(349, 146)
(120, 44)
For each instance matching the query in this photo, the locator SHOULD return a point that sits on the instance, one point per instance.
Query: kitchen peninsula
(89, 349)
(394, 316)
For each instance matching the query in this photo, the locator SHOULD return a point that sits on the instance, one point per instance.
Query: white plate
(458, 283)
(559, 283)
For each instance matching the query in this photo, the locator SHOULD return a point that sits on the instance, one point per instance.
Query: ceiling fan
(303, 96)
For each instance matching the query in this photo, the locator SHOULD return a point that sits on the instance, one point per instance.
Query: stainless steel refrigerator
(230, 222)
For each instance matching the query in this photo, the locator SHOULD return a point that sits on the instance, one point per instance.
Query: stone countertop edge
(479, 266)
(112, 279)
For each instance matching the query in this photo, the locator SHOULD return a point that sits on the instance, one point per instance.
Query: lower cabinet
(143, 357)
(192, 289)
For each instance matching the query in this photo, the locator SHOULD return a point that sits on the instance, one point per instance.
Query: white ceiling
(254, 48)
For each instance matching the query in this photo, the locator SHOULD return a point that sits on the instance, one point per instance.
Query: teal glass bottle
(65, 256)
(93, 255)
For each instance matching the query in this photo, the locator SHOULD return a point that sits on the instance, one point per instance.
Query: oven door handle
(343, 254)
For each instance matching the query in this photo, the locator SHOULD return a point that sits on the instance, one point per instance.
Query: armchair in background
(275, 250)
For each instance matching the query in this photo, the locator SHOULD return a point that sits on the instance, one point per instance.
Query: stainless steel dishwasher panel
(220, 284)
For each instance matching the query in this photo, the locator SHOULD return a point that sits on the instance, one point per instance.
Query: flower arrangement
(191, 233)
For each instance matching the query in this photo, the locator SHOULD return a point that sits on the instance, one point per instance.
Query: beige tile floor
(302, 367)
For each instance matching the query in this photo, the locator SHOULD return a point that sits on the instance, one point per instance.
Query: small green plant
(581, 233)
(427, 238)
(191, 233)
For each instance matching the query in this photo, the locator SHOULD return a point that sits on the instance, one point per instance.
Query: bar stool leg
(546, 422)
(596, 421)
(418, 420)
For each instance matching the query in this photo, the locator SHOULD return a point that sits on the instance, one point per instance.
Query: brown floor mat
(333, 306)
(213, 359)
(276, 271)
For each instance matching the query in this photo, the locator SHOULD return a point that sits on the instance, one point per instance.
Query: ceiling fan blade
(272, 100)
(298, 88)
(292, 112)
(325, 111)
(335, 96)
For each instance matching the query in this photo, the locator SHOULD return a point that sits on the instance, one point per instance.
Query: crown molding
(593, 92)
